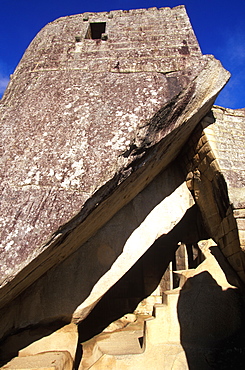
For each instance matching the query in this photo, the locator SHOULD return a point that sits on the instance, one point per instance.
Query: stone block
(43, 361)
(108, 158)
(204, 150)
(241, 223)
(209, 174)
(226, 226)
(229, 211)
(220, 231)
(239, 213)
(214, 165)
(231, 236)
(64, 339)
(241, 234)
(232, 221)
(231, 248)
(202, 141)
(237, 261)
(196, 160)
(214, 224)
(203, 165)
(189, 184)
(165, 326)
(221, 243)
(210, 156)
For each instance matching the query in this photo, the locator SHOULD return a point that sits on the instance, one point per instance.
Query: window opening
(95, 30)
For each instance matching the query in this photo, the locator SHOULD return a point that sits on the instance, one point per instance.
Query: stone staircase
(151, 342)
(195, 327)
(198, 325)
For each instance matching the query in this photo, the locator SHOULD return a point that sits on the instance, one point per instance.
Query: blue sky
(219, 26)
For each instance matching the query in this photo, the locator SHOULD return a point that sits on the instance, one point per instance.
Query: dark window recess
(95, 30)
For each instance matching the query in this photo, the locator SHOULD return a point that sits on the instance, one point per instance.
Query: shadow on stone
(142, 279)
(211, 324)
(11, 346)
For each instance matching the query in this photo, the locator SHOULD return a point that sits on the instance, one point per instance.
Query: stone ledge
(44, 361)
(62, 340)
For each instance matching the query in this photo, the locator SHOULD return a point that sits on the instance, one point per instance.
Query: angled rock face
(73, 112)
(69, 127)
(90, 123)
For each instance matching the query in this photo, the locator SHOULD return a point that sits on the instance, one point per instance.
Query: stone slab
(64, 339)
(42, 361)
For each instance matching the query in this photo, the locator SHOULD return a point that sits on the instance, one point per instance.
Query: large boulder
(87, 124)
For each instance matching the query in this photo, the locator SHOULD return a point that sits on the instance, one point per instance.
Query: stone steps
(124, 341)
(186, 328)
(161, 348)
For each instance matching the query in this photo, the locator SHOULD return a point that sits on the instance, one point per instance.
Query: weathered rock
(47, 360)
(178, 119)
(190, 330)
(226, 137)
(121, 323)
(64, 339)
(74, 286)
(57, 152)
(90, 127)
(214, 159)
(70, 119)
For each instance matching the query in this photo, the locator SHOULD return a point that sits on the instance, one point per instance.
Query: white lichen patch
(59, 175)
(154, 101)
(78, 167)
(32, 176)
(8, 245)
(73, 179)
(153, 92)
(119, 113)
(37, 177)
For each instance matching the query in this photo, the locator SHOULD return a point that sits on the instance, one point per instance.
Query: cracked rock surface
(87, 124)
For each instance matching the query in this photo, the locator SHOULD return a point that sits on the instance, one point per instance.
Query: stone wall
(215, 161)
(226, 137)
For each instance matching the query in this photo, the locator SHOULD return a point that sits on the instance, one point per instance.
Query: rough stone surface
(226, 138)
(176, 339)
(70, 119)
(216, 178)
(64, 339)
(106, 145)
(104, 258)
(82, 137)
(46, 360)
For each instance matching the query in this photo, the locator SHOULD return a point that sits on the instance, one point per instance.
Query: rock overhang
(90, 126)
